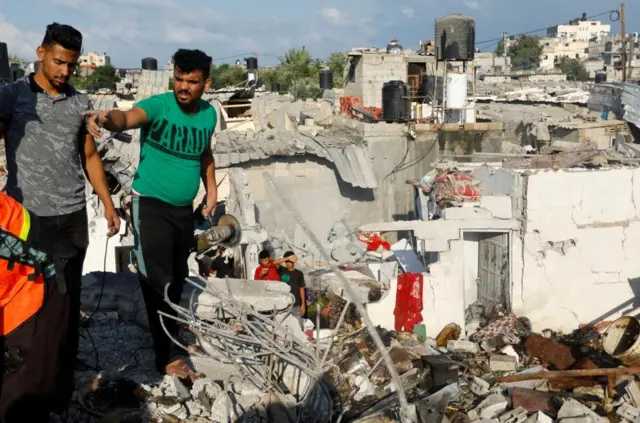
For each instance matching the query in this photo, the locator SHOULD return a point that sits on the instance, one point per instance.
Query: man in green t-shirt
(175, 152)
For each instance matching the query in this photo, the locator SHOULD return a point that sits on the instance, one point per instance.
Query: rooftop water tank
(396, 106)
(326, 79)
(394, 47)
(251, 62)
(149, 63)
(455, 38)
(456, 91)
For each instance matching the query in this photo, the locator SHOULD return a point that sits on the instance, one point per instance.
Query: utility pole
(623, 28)
(505, 44)
(632, 44)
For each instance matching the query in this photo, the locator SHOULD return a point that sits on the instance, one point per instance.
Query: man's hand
(264, 271)
(303, 309)
(113, 220)
(95, 121)
(210, 205)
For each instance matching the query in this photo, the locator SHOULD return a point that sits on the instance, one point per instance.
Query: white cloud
(187, 34)
(334, 16)
(409, 12)
(74, 4)
(22, 44)
(473, 5)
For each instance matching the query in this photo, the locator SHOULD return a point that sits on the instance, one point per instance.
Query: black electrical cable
(611, 14)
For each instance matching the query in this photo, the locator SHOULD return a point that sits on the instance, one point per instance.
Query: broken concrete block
(493, 344)
(533, 401)
(172, 387)
(492, 406)
(628, 412)
(462, 346)
(539, 417)
(573, 411)
(479, 387)
(517, 415)
(502, 363)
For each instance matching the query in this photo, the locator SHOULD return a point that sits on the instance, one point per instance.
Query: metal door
(493, 270)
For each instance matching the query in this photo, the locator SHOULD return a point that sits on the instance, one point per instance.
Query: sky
(128, 30)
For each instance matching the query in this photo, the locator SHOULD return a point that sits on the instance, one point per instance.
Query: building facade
(554, 50)
(93, 60)
(580, 29)
(491, 63)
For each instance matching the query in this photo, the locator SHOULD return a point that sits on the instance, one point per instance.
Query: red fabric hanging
(408, 311)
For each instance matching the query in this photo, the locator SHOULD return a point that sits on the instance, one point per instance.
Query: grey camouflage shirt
(44, 141)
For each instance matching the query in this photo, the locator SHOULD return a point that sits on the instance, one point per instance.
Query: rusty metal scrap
(560, 374)
(549, 351)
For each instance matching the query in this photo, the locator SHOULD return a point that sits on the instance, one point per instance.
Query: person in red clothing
(269, 269)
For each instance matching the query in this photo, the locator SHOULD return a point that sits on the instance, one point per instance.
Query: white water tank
(456, 90)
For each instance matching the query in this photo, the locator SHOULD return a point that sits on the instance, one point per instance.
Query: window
(577, 56)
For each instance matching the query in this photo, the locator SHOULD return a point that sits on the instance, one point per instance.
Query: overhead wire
(611, 13)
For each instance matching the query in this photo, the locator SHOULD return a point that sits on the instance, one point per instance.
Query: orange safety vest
(21, 287)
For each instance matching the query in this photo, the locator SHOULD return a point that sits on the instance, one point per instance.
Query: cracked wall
(581, 246)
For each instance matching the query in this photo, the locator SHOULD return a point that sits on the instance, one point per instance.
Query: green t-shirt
(171, 145)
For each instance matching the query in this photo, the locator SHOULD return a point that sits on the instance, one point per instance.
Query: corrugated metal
(621, 99)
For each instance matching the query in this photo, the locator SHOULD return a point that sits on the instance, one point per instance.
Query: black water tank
(601, 77)
(36, 66)
(122, 73)
(431, 87)
(455, 37)
(326, 79)
(5, 68)
(251, 62)
(149, 63)
(395, 102)
(275, 87)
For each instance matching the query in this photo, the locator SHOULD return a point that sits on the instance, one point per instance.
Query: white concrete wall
(372, 71)
(581, 246)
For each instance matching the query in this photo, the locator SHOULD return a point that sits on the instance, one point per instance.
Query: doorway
(487, 278)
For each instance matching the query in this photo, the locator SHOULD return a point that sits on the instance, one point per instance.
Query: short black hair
(264, 254)
(65, 36)
(289, 254)
(188, 61)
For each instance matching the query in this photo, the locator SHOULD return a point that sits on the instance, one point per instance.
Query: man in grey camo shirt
(49, 152)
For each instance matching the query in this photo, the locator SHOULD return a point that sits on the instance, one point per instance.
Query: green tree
(525, 52)
(103, 77)
(337, 62)
(15, 59)
(227, 75)
(574, 69)
(500, 48)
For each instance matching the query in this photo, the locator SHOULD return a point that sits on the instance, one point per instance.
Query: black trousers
(73, 228)
(163, 241)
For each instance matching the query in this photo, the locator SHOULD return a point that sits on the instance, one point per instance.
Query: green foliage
(171, 85)
(297, 73)
(500, 48)
(337, 63)
(574, 69)
(102, 77)
(15, 59)
(525, 53)
(227, 75)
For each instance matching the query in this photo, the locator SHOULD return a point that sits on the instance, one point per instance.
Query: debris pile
(502, 373)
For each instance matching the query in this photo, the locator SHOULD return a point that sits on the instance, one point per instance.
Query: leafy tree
(524, 53)
(337, 63)
(15, 59)
(500, 48)
(574, 69)
(104, 77)
(227, 75)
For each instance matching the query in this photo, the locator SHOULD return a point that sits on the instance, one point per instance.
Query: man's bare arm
(118, 121)
(114, 120)
(208, 175)
(98, 180)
